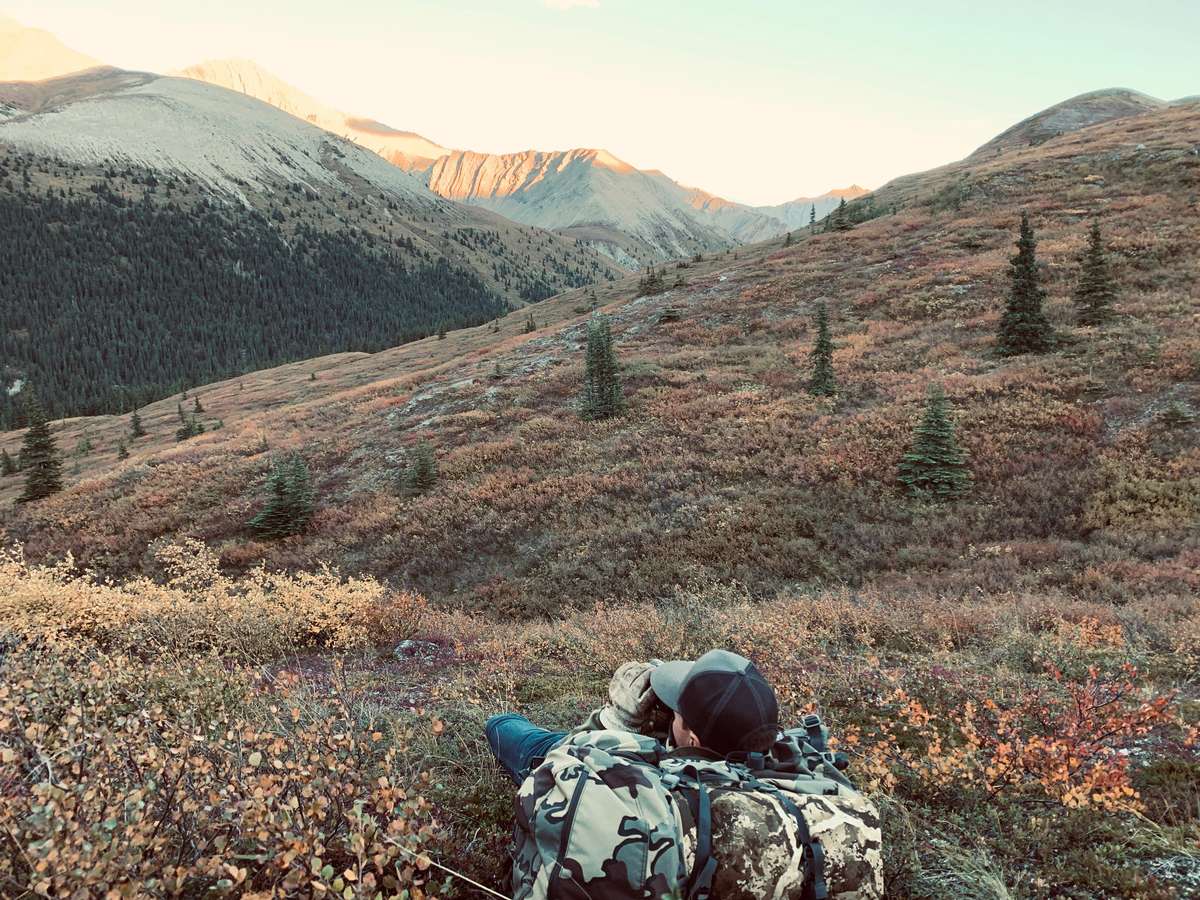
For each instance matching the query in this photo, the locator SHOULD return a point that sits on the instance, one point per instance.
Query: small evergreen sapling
(196, 407)
(40, 458)
(190, 428)
(822, 382)
(291, 499)
(602, 397)
(420, 475)
(122, 450)
(136, 429)
(935, 466)
(1023, 327)
(1095, 293)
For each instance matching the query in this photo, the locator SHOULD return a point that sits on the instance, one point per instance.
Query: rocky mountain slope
(724, 467)
(633, 216)
(402, 148)
(30, 54)
(1070, 115)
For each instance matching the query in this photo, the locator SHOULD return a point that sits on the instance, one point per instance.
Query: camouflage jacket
(613, 813)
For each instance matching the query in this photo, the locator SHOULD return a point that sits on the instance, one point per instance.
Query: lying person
(684, 785)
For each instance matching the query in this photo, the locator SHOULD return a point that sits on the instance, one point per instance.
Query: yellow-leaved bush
(199, 609)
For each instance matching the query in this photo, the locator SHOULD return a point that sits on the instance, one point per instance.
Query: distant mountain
(226, 234)
(1070, 115)
(30, 54)
(632, 215)
(403, 148)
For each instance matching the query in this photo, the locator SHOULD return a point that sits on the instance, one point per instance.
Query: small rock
(409, 649)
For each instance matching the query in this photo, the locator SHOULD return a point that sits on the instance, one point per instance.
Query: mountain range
(632, 215)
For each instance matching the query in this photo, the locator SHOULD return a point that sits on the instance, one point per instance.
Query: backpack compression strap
(567, 886)
(814, 854)
(700, 884)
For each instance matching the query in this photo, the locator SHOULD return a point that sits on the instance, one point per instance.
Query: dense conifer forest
(108, 303)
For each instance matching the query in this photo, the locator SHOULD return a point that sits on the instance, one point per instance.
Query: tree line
(108, 305)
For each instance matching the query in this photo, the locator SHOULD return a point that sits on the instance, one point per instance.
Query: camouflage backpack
(613, 815)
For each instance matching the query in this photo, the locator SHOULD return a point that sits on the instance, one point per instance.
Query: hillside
(1013, 675)
(1070, 115)
(401, 148)
(126, 161)
(721, 439)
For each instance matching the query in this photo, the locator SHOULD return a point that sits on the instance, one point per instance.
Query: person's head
(721, 703)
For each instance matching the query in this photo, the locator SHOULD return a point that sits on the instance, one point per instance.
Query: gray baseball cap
(723, 698)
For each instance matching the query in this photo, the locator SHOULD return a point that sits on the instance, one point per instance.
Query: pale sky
(759, 101)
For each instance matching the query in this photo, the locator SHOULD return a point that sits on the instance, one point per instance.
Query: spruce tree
(189, 429)
(935, 466)
(290, 502)
(180, 413)
(1023, 327)
(421, 472)
(39, 455)
(841, 217)
(122, 450)
(196, 407)
(822, 382)
(602, 397)
(812, 216)
(136, 429)
(530, 324)
(7, 466)
(1095, 293)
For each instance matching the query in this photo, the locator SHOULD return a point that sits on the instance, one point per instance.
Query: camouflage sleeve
(632, 705)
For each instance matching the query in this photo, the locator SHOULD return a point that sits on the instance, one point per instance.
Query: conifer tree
(421, 472)
(40, 458)
(787, 240)
(179, 412)
(812, 216)
(290, 502)
(196, 407)
(602, 397)
(189, 429)
(122, 450)
(7, 466)
(841, 217)
(1023, 327)
(1095, 293)
(935, 466)
(822, 382)
(136, 429)
(530, 324)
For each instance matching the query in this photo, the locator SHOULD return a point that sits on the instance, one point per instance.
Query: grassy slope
(725, 468)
